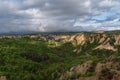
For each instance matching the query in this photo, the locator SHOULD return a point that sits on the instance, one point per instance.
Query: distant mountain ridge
(56, 32)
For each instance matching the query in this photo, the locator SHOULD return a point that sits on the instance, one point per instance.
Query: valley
(61, 56)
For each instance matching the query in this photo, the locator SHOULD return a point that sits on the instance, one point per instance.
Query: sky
(59, 15)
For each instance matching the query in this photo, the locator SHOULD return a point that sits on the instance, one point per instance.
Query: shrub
(34, 56)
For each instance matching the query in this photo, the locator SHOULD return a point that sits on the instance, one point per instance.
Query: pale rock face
(81, 39)
(103, 38)
(117, 39)
(78, 39)
(106, 46)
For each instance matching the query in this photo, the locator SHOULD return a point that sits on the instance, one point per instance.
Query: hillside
(71, 56)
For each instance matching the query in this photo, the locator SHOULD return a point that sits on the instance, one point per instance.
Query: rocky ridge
(104, 41)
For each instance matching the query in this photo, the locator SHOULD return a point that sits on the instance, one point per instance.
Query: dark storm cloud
(59, 15)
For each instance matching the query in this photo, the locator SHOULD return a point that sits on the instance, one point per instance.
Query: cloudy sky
(59, 15)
